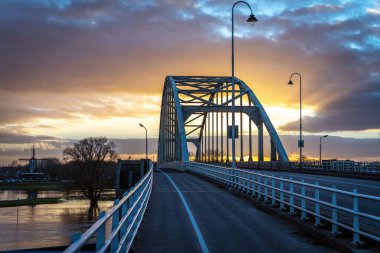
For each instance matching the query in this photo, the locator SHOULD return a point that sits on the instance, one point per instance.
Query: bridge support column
(273, 151)
(250, 136)
(260, 136)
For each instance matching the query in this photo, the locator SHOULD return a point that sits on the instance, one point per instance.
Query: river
(43, 225)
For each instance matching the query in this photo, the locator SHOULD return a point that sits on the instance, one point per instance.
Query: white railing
(343, 166)
(126, 215)
(307, 199)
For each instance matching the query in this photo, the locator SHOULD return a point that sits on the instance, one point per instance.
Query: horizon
(362, 150)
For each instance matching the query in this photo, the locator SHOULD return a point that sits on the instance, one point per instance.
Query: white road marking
(190, 214)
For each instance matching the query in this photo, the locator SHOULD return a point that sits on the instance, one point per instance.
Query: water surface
(44, 225)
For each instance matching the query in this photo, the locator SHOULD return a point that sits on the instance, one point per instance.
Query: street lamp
(251, 20)
(146, 141)
(300, 141)
(320, 149)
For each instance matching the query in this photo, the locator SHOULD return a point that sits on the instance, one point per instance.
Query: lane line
(201, 241)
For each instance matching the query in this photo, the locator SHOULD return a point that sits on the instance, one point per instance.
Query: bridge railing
(310, 201)
(126, 216)
(343, 166)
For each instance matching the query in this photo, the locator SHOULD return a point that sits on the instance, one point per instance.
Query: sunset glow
(71, 69)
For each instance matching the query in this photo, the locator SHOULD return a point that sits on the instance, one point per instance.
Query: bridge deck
(226, 223)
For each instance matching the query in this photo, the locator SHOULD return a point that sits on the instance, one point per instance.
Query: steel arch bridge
(197, 109)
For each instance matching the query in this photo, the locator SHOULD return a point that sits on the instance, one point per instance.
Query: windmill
(32, 161)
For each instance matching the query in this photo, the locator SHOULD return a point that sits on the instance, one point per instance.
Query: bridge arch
(196, 109)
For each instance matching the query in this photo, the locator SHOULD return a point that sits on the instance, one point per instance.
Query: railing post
(259, 186)
(303, 201)
(246, 183)
(282, 206)
(334, 213)
(273, 192)
(231, 178)
(317, 222)
(130, 204)
(115, 223)
(265, 187)
(241, 181)
(241, 178)
(101, 233)
(226, 176)
(253, 186)
(234, 178)
(124, 211)
(291, 197)
(238, 180)
(355, 219)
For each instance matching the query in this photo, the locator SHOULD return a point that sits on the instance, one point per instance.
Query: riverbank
(40, 186)
(28, 202)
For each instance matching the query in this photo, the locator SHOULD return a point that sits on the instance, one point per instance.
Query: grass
(27, 202)
(32, 186)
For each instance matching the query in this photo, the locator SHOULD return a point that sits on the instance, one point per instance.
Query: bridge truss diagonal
(197, 109)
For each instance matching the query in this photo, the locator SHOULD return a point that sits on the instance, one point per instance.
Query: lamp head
(290, 83)
(252, 20)
(141, 125)
(325, 136)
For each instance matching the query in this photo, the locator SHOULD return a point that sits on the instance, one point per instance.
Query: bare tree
(92, 167)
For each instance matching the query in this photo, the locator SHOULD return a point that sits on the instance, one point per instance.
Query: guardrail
(343, 166)
(349, 167)
(126, 215)
(306, 200)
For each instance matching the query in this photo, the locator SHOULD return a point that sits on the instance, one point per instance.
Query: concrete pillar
(142, 166)
(130, 175)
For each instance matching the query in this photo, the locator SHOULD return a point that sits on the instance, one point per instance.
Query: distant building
(4, 176)
(33, 163)
(30, 177)
(338, 165)
(47, 162)
(351, 166)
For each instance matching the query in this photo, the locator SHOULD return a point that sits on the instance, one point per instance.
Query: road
(188, 214)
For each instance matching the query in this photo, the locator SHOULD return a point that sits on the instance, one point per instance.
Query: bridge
(200, 203)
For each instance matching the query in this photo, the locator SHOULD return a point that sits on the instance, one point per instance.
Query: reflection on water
(44, 225)
(21, 194)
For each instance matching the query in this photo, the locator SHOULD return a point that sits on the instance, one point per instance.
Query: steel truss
(196, 109)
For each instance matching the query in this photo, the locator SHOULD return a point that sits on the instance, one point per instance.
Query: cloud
(77, 62)
(354, 112)
(11, 138)
(63, 108)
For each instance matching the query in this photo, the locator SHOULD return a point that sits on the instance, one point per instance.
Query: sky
(74, 69)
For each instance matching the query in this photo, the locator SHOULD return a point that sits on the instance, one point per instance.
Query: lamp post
(146, 141)
(320, 149)
(300, 141)
(251, 20)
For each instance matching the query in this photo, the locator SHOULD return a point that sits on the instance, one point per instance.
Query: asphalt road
(196, 216)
